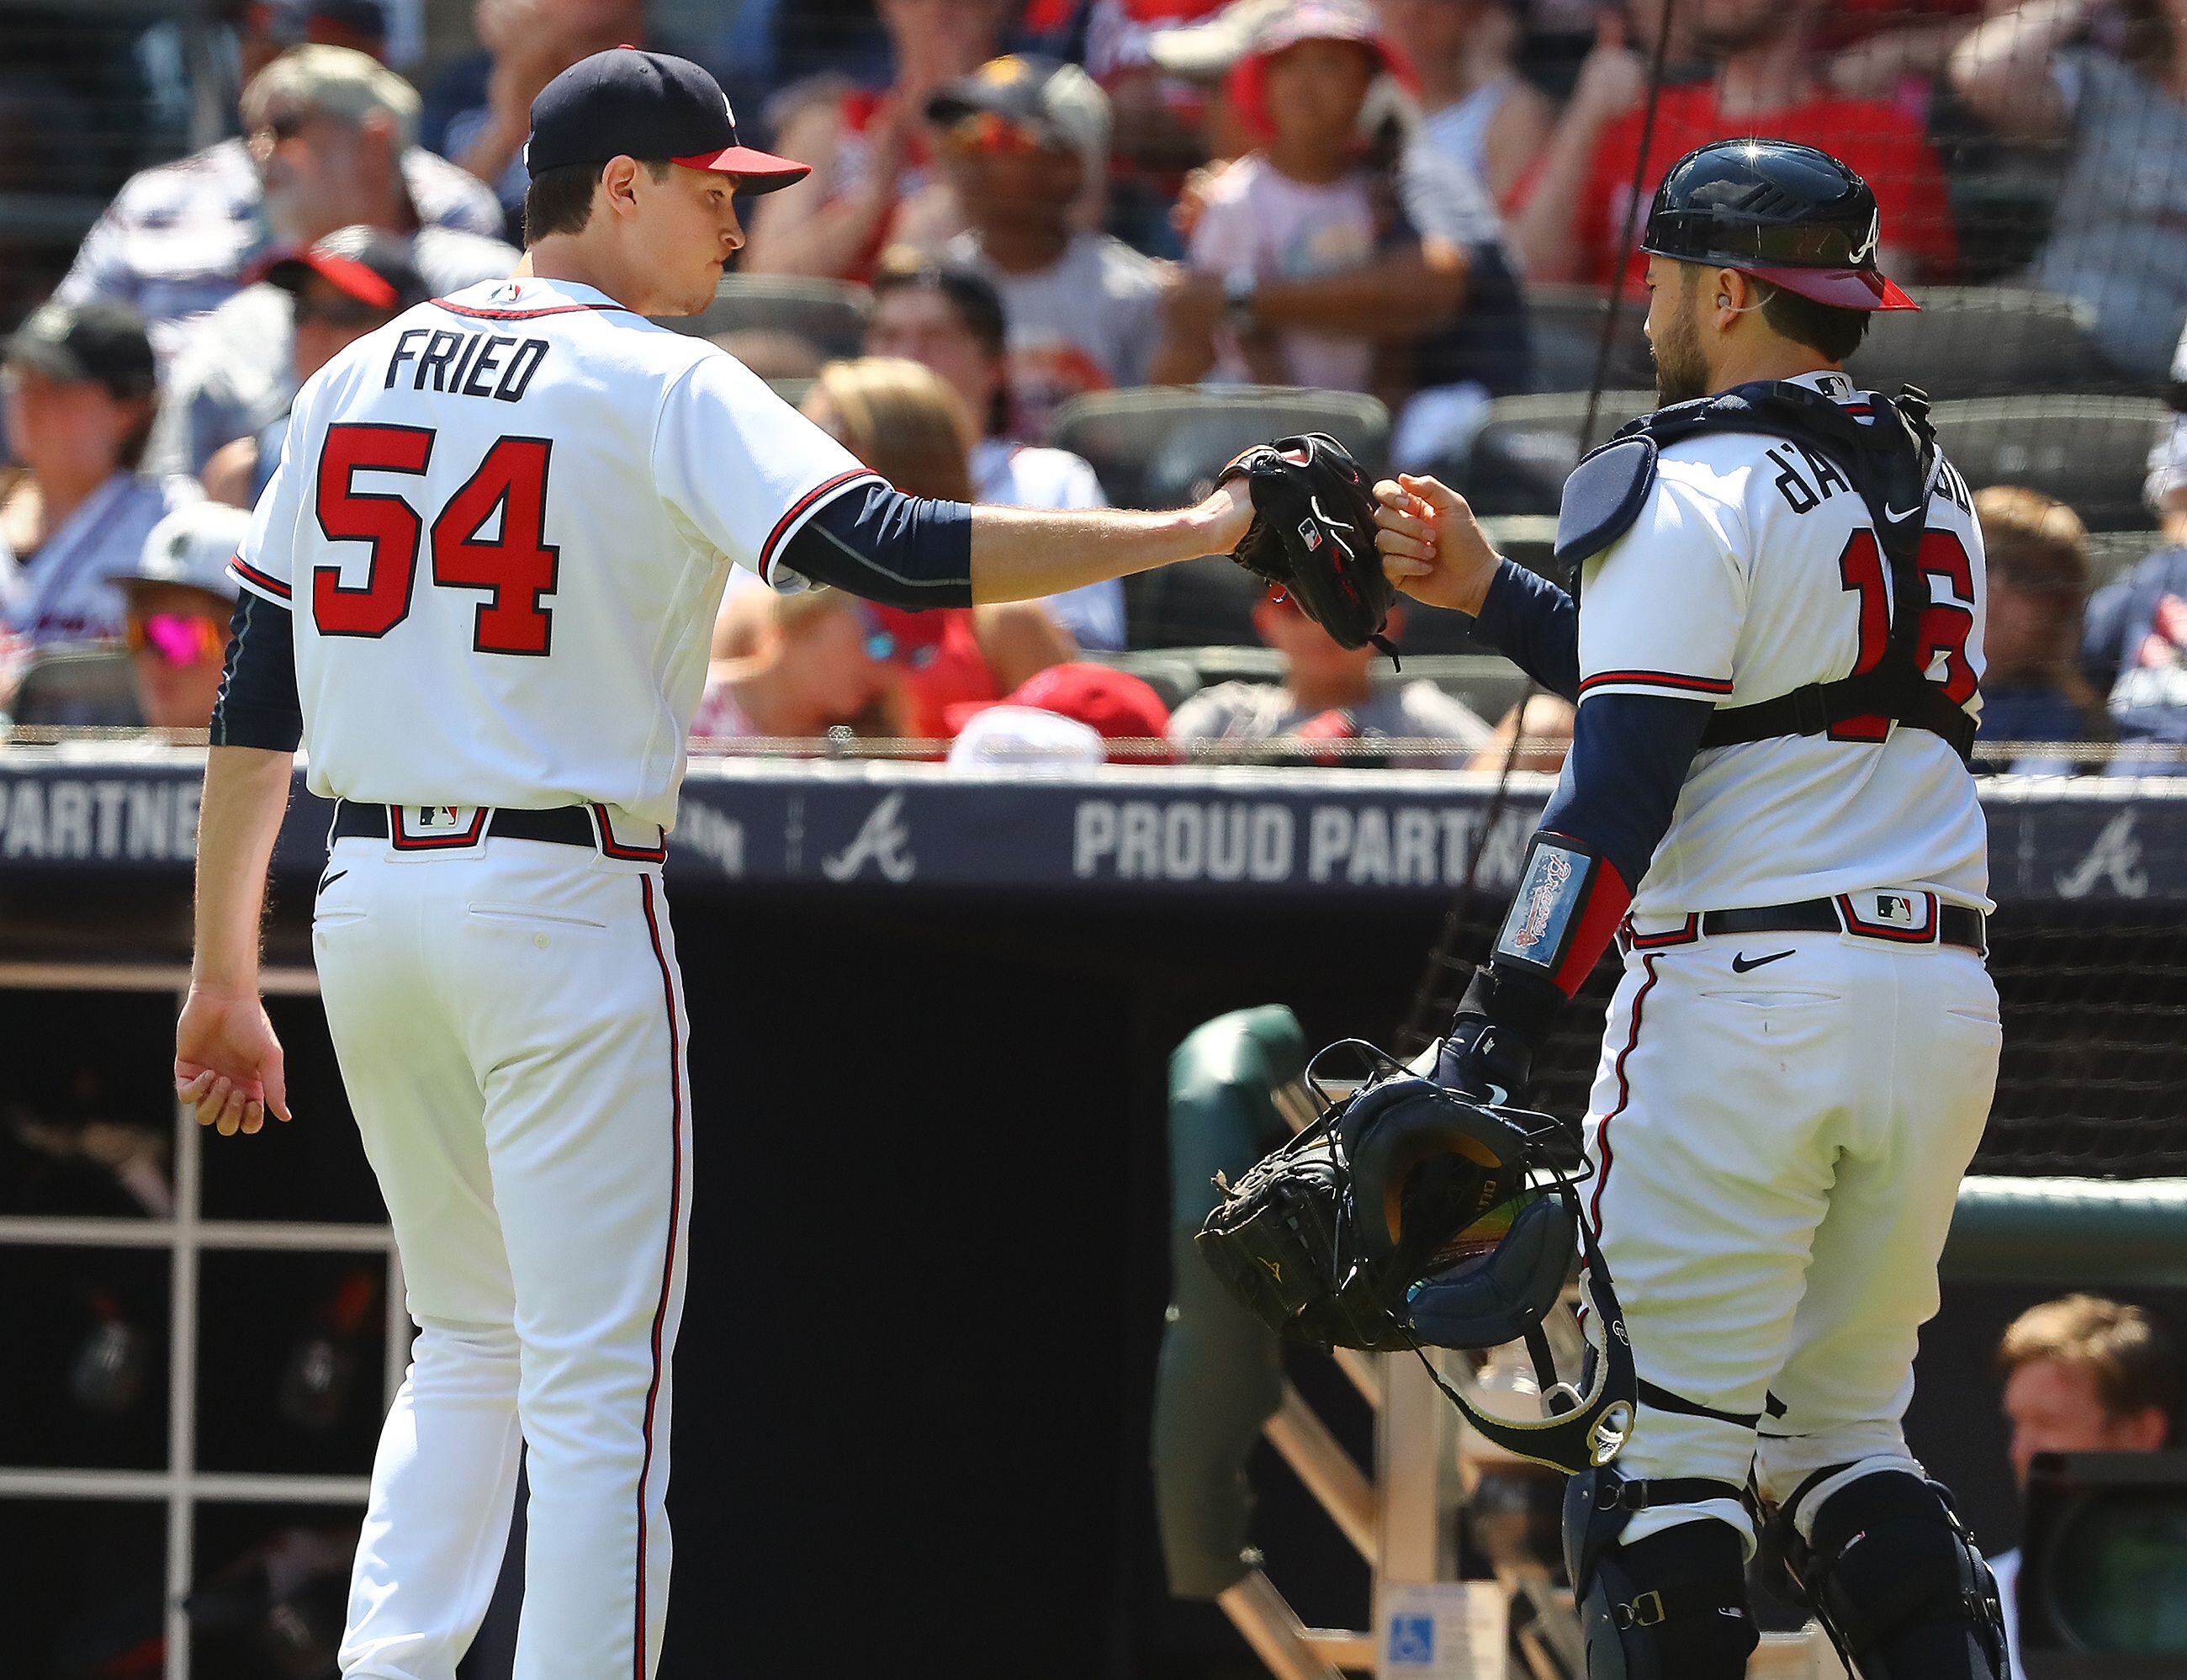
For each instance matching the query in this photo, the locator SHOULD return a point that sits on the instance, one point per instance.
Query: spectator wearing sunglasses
(351, 281)
(1024, 142)
(324, 129)
(322, 173)
(818, 664)
(74, 513)
(180, 600)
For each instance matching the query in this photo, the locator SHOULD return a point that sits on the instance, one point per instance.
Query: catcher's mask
(1467, 1219)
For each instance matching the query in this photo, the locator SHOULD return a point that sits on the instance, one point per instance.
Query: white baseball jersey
(1754, 571)
(502, 522)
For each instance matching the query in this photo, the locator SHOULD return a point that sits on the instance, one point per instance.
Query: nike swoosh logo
(331, 880)
(1903, 513)
(1740, 965)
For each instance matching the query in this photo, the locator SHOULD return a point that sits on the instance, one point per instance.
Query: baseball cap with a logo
(628, 102)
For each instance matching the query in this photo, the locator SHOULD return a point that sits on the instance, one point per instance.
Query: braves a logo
(1552, 870)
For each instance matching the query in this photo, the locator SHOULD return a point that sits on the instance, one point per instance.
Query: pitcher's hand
(228, 1065)
(1432, 546)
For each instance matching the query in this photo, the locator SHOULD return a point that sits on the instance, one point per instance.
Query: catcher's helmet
(1471, 1228)
(1778, 211)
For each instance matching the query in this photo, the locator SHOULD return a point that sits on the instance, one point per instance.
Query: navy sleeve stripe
(787, 526)
(257, 579)
(1660, 679)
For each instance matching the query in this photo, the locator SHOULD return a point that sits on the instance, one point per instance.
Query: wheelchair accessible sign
(1446, 1630)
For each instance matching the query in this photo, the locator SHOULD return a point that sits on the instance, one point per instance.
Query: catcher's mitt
(1280, 1242)
(1313, 534)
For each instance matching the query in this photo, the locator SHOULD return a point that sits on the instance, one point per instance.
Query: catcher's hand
(1314, 535)
(1432, 546)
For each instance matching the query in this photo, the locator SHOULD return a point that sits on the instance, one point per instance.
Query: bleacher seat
(1969, 341)
(2113, 553)
(2089, 452)
(77, 686)
(829, 315)
(1154, 448)
(1527, 446)
(1567, 322)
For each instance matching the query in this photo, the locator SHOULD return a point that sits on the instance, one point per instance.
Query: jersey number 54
(516, 567)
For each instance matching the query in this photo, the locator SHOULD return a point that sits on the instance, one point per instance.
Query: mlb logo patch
(436, 819)
(1310, 534)
(1896, 908)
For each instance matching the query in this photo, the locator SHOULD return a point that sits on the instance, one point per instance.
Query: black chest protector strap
(1890, 465)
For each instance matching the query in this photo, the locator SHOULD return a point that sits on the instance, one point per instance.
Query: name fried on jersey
(459, 363)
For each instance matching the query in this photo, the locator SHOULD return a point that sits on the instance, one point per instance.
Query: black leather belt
(1956, 923)
(563, 825)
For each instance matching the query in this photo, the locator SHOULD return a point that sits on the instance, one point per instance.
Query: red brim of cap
(345, 274)
(758, 171)
(1839, 287)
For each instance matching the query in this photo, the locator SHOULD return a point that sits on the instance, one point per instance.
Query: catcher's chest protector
(1890, 464)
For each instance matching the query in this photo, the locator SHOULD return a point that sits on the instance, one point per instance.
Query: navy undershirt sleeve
(257, 706)
(877, 542)
(1630, 757)
(1535, 625)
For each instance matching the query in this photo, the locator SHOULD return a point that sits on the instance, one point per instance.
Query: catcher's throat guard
(1407, 1215)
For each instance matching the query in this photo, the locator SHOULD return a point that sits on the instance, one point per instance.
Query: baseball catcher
(1774, 648)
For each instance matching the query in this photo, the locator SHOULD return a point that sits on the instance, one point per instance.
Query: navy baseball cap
(629, 103)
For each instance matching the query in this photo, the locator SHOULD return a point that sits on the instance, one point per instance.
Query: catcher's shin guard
(1669, 1607)
(1892, 1574)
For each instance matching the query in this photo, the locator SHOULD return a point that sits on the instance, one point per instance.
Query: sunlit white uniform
(1780, 1120)
(503, 523)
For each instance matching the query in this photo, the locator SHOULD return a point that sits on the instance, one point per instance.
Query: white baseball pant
(1777, 1154)
(509, 1023)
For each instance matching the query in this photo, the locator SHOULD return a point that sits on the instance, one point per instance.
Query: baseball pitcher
(480, 591)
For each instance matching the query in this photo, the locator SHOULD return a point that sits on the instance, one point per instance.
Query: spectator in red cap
(1335, 257)
(351, 281)
(871, 185)
(1114, 706)
(1327, 694)
(1769, 82)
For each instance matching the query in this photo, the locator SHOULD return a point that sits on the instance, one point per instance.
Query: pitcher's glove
(1314, 535)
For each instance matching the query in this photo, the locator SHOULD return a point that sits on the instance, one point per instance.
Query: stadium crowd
(1025, 221)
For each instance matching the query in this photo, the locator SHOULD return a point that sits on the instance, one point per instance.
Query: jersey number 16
(515, 567)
